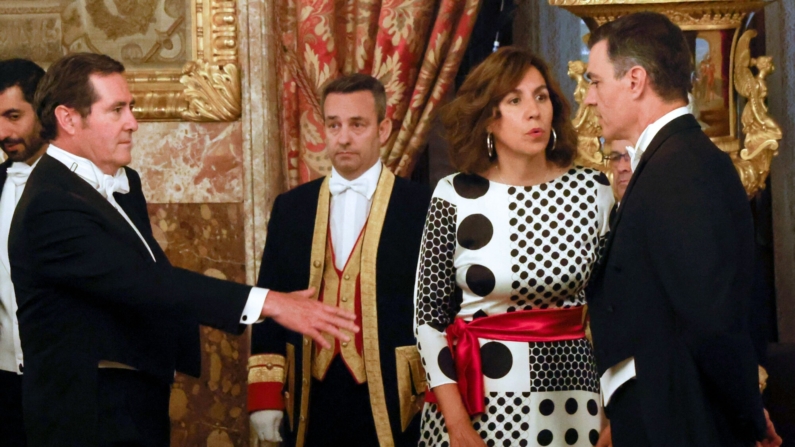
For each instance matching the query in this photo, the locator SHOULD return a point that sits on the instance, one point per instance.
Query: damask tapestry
(139, 33)
(414, 47)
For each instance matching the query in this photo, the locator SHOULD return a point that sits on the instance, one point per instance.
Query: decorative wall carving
(713, 28)
(180, 55)
(585, 122)
(762, 133)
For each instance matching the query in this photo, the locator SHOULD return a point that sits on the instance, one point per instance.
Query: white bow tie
(19, 173)
(114, 183)
(337, 185)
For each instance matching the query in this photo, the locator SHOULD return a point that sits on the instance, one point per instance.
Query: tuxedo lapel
(675, 126)
(57, 172)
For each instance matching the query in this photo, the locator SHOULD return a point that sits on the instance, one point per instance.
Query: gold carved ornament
(762, 133)
(212, 92)
(687, 14)
(585, 122)
(208, 87)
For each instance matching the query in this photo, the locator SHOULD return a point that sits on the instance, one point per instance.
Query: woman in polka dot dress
(508, 248)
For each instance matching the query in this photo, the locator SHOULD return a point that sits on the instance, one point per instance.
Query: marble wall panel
(208, 238)
(183, 162)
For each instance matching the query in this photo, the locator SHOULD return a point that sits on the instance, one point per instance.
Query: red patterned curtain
(413, 46)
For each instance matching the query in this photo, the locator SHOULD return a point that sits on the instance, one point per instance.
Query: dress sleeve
(435, 305)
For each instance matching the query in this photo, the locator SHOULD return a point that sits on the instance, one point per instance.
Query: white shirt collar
(651, 131)
(83, 167)
(371, 176)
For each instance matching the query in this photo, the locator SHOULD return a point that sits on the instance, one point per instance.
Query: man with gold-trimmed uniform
(354, 236)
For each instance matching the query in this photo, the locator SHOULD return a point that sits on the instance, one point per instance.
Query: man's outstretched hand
(298, 312)
(772, 439)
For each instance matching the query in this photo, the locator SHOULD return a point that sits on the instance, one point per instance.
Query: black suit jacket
(88, 290)
(673, 291)
(288, 247)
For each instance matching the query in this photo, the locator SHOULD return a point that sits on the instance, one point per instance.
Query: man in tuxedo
(20, 141)
(668, 301)
(354, 236)
(618, 162)
(104, 319)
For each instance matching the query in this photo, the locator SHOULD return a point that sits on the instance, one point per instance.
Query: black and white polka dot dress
(490, 248)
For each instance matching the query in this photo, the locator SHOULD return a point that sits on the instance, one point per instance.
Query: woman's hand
(456, 418)
(605, 438)
(773, 439)
(463, 435)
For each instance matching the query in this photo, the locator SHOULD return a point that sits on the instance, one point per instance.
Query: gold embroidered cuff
(266, 368)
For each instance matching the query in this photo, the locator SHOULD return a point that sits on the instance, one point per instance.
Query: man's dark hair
(20, 73)
(68, 83)
(358, 82)
(652, 41)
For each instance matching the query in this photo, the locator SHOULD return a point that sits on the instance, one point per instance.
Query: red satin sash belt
(524, 326)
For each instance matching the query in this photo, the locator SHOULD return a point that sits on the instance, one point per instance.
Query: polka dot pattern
(496, 360)
(470, 186)
(491, 248)
(436, 274)
(505, 422)
(554, 240)
(563, 366)
(475, 231)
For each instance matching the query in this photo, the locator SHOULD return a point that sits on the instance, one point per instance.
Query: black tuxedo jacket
(673, 291)
(288, 248)
(88, 290)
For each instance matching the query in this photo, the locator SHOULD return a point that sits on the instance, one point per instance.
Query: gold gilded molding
(181, 57)
(687, 14)
(761, 131)
(585, 121)
(752, 155)
(207, 88)
(212, 92)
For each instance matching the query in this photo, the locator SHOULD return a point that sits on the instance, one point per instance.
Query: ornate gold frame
(752, 155)
(208, 87)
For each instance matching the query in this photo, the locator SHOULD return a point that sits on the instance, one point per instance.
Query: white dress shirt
(624, 370)
(349, 209)
(10, 347)
(107, 184)
(650, 132)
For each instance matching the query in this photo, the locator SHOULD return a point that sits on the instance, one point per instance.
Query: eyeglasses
(614, 157)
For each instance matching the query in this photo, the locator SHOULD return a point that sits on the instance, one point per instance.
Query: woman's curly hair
(475, 106)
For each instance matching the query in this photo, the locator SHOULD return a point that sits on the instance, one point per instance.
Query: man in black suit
(104, 319)
(669, 299)
(20, 141)
(354, 236)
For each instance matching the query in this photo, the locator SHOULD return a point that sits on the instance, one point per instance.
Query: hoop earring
(490, 144)
(554, 139)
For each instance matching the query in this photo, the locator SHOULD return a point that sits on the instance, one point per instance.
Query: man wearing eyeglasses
(619, 162)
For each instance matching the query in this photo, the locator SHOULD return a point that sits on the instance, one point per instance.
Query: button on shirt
(10, 347)
(624, 371)
(106, 185)
(349, 209)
